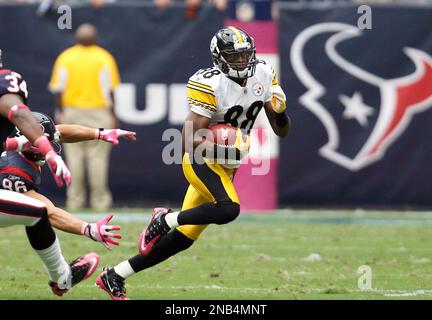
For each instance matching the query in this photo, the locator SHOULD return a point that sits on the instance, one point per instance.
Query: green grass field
(286, 255)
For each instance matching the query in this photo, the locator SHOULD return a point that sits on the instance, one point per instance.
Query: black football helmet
(233, 52)
(49, 129)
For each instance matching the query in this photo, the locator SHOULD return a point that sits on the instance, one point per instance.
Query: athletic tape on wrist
(14, 109)
(100, 133)
(43, 144)
(83, 228)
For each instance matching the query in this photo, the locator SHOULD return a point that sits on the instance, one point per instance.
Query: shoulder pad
(269, 71)
(209, 77)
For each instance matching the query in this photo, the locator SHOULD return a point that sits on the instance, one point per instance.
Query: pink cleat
(156, 228)
(81, 269)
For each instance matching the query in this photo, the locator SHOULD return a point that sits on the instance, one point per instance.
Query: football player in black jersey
(18, 209)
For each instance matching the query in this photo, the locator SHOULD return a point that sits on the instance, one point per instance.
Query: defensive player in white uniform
(234, 91)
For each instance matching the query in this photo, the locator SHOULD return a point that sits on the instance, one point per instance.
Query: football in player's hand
(225, 134)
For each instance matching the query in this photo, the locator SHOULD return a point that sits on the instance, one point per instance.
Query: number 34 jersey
(10, 83)
(212, 94)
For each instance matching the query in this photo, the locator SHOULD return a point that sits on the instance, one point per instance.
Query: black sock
(220, 213)
(41, 235)
(170, 244)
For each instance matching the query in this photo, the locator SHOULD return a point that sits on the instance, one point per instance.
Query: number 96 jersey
(18, 174)
(212, 94)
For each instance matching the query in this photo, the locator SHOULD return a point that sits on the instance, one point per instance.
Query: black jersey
(12, 83)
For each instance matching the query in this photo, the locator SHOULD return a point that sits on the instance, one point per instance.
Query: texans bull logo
(399, 98)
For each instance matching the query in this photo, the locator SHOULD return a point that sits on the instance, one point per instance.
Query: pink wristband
(43, 144)
(14, 109)
(11, 144)
(97, 134)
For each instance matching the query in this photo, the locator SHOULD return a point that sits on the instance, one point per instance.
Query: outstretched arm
(67, 222)
(58, 217)
(75, 133)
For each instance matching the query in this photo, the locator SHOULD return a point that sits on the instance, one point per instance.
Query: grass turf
(284, 255)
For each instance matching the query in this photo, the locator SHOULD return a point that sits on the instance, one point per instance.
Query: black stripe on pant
(21, 209)
(212, 181)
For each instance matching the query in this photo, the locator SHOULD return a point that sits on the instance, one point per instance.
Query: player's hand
(101, 232)
(278, 99)
(58, 168)
(112, 135)
(241, 144)
(19, 144)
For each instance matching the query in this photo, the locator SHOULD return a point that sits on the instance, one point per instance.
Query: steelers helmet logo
(257, 89)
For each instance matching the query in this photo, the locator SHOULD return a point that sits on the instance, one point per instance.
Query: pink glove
(100, 231)
(56, 164)
(112, 135)
(19, 144)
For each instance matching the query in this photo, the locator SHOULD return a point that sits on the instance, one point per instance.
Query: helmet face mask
(238, 60)
(50, 131)
(233, 52)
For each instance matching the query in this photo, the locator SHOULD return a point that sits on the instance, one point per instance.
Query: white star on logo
(355, 108)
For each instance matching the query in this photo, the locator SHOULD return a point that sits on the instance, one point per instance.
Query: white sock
(124, 269)
(171, 219)
(58, 269)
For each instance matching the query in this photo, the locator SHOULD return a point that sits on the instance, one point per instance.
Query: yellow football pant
(209, 182)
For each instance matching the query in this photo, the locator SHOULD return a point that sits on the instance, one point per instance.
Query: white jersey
(212, 94)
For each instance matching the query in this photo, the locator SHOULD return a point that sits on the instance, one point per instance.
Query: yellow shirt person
(83, 81)
(85, 76)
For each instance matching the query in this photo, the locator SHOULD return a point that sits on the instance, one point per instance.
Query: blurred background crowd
(241, 9)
